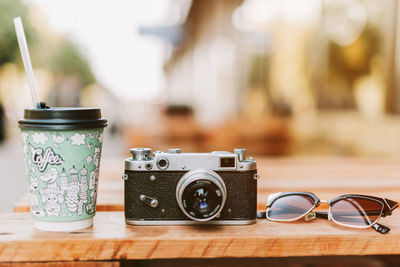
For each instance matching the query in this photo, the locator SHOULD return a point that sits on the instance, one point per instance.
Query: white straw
(23, 47)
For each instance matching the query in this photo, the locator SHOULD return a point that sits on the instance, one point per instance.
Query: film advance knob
(150, 201)
(140, 153)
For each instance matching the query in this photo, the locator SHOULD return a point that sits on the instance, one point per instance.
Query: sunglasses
(357, 211)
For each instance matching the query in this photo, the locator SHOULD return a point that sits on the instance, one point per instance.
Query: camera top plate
(175, 160)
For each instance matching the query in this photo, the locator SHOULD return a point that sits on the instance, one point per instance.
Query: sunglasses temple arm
(380, 228)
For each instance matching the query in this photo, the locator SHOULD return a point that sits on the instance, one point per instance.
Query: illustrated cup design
(63, 171)
(62, 150)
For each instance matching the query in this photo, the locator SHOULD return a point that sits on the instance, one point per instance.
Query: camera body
(177, 188)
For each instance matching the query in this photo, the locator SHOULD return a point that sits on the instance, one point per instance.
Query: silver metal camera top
(174, 150)
(241, 152)
(141, 153)
(175, 160)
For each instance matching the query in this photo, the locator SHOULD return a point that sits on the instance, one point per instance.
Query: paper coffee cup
(62, 149)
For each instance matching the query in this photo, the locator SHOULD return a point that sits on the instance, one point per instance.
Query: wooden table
(111, 239)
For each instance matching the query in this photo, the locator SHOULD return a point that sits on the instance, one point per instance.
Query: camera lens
(201, 199)
(201, 194)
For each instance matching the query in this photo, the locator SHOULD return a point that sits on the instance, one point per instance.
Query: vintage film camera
(177, 188)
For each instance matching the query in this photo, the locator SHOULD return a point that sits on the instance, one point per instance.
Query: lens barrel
(201, 194)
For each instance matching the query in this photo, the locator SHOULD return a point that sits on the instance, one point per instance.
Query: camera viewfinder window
(227, 162)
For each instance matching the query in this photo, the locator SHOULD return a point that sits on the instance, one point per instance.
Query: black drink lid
(62, 119)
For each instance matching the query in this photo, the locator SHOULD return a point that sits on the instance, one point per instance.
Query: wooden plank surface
(325, 177)
(111, 239)
(63, 264)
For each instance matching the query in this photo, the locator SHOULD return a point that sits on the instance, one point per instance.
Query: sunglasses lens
(355, 211)
(290, 207)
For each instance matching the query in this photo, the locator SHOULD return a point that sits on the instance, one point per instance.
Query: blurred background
(282, 78)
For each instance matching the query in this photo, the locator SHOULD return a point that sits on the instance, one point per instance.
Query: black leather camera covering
(240, 185)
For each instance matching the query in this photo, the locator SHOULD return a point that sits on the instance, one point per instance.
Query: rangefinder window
(227, 162)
